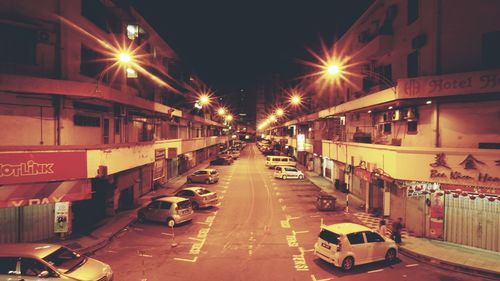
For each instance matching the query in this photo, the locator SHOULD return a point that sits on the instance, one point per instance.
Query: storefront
(32, 185)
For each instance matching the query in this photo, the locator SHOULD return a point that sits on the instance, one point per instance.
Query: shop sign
(471, 189)
(301, 141)
(446, 85)
(42, 166)
(61, 217)
(159, 164)
(471, 176)
(172, 152)
(421, 189)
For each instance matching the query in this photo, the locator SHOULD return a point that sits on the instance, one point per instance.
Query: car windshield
(202, 191)
(184, 204)
(213, 172)
(65, 260)
(329, 236)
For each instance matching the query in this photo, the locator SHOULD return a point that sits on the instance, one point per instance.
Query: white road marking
(292, 218)
(298, 232)
(111, 251)
(281, 200)
(168, 234)
(146, 256)
(283, 207)
(314, 278)
(411, 265)
(315, 216)
(285, 224)
(138, 229)
(376, 270)
(193, 260)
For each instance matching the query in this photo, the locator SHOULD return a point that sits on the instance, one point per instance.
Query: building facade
(412, 127)
(85, 136)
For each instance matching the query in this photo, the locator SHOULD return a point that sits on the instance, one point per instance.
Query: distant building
(84, 136)
(412, 131)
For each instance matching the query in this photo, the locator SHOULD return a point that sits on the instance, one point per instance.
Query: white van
(273, 161)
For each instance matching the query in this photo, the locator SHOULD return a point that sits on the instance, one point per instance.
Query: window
(105, 131)
(412, 11)
(412, 64)
(86, 121)
(154, 205)
(98, 14)
(92, 63)
(373, 237)
(489, 49)
(19, 46)
(31, 267)
(8, 265)
(165, 205)
(118, 125)
(202, 191)
(329, 236)
(387, 128)
(356, 238)
(284, 160)
(412, 127)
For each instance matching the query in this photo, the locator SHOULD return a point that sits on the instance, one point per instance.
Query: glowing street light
(221, 111)
(272, 118)
(229, 118)
(280, 112)
(333, 69)
(124, 58)
(295, 100)
(204, 99)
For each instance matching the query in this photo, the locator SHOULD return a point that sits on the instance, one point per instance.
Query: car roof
(194, 188)
(37, 250)
(208, 170)
(345, 228)
(171, 199)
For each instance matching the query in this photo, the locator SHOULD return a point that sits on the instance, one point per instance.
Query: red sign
(42, 166)
(44, 193)
(470, 188)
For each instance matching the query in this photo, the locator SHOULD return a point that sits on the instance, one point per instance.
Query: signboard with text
(61, 217)
(42, 166)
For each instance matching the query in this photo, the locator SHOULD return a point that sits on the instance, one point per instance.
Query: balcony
(378, 46)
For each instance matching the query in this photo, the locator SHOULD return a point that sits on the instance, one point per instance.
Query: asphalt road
(263, 229)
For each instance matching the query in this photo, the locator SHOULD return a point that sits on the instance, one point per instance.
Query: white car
(347, 244)
(286, 172)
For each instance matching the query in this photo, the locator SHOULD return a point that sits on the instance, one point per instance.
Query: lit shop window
(132, 31)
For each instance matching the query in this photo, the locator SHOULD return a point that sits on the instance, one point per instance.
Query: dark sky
(235, 44)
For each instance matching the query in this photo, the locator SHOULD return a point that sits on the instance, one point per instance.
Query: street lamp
(280, 112)
(296, 99)
(204, 99)
(229, 118)
(221, 111)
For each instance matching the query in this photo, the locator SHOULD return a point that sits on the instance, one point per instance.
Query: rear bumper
(326, 256)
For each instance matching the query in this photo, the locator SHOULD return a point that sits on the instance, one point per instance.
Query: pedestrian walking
(397, 226)
(382, 227)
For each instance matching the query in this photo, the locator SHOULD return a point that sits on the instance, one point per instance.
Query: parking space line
(374, 271)
(412, 265)
(193, 260)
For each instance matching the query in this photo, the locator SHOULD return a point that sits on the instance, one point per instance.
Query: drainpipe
(438, 36)
(437, 142)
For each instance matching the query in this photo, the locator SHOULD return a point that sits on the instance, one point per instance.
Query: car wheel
(284, 177)
(141, 217)
(301, 177)
(390, 256)
(189, 180)
(207, 181)
(195, 205)
(170, 221)
(348, 263)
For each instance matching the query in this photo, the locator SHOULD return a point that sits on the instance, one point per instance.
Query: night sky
(233, 45)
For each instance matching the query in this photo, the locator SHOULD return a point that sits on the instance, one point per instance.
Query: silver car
(286, 172)
(171, 210)
(30, 261)
(200, 197)
(204, 176)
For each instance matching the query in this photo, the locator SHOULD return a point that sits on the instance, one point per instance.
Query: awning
(44, 193)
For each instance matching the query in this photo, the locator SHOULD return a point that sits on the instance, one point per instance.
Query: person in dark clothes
(397, 226)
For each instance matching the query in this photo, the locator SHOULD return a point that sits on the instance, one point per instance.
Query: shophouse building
(84, 136)
(411, 127)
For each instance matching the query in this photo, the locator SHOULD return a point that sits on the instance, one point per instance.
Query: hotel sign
(42, 166)
(447, 85)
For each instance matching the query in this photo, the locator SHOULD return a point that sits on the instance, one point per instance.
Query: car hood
(91, 270)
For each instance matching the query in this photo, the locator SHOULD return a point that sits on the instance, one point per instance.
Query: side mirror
(44, 274)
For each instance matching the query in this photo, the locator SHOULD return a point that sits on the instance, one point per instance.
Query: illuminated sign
(301, 141)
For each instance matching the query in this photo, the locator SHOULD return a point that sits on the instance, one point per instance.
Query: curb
(450, 265)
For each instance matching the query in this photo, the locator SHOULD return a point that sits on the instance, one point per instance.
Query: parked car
(200, 197)
(347, 244)
(222, 160)
(285, 172)
(273, 161)
(235, 154)
(204, 176)
(30, 261)
(167, 209)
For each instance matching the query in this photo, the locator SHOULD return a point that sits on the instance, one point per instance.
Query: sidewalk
(448, 255)
(112, 226)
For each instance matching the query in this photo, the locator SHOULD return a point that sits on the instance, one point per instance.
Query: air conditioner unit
(396, 115)
(411, 113)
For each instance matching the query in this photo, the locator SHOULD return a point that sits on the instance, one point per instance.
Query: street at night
(263, 229)
(147, 140)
